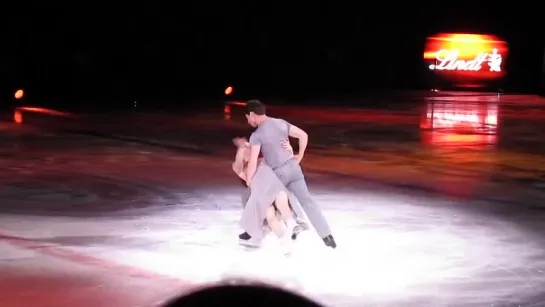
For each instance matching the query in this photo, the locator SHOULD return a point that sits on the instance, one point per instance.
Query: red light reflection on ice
(459, 124)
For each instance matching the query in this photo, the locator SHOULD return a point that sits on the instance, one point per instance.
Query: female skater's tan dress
(258, 197)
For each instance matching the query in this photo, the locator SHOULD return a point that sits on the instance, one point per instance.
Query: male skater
(267, 139)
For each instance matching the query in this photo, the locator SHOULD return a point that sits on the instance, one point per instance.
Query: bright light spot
(229, 90)
(19, 94)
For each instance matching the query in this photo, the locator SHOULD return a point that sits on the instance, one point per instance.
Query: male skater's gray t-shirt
(270, 135)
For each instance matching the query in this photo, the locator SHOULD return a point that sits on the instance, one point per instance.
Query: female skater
(267, 205)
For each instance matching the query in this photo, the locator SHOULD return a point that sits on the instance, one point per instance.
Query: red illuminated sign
(466, 60)
(449, 60)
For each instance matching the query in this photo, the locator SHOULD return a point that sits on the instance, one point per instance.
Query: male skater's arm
(255, 148)
(302, 136)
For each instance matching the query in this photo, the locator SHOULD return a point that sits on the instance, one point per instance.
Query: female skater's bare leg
(274, 223)
(282, 204)
(279, 229)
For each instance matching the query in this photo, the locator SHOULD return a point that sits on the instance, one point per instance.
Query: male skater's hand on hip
(287, 146)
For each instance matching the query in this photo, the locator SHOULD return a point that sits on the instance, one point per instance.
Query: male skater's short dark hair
(255, 106)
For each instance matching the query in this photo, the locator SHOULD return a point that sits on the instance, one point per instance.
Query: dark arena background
(426, 152)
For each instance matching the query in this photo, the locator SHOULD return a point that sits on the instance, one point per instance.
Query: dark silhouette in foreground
(241, 295)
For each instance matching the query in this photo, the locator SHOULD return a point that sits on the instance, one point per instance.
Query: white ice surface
(387, 252)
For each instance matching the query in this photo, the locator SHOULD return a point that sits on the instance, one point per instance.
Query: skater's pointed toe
(296, 232)
(246, 240)
(330, 241)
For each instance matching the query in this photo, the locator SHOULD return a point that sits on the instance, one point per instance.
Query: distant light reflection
(446, 123)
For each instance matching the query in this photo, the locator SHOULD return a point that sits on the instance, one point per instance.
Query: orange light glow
(237, 103)
(227, 112)
(469, 60)
(44, 111)
(19, 94)
(450, 139)
(18, 117)
(229, 90)
(18, 114)
(228, 107)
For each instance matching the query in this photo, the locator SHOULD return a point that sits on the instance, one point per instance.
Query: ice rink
(422, 216)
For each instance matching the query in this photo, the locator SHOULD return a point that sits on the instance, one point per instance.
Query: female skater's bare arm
(242, 175)
(238, 164)
(241, 172)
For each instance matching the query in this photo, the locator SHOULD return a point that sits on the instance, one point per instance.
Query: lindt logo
(448, 60)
